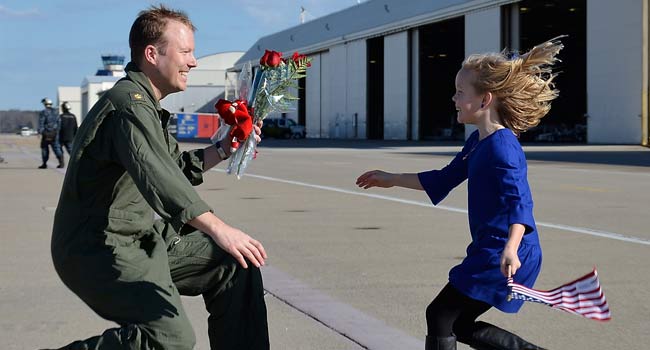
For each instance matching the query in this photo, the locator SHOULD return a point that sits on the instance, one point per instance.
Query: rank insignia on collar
(136, 96)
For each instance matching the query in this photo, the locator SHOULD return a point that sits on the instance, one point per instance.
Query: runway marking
(576, 229)
(364, 330)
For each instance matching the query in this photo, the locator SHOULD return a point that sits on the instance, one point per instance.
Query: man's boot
(490, 337)
(43, 166)
(61, 163)
(440, 343)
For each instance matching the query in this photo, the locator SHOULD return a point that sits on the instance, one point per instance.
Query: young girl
(502, 97)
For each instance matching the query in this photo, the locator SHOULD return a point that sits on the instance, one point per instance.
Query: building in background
(94, 85)
(113, 66)
(82, 98)
(91, 89)
(382, 70)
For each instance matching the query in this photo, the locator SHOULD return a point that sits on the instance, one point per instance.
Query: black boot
(490, 337)
(61, 163)
(43, 166)
(437, 343)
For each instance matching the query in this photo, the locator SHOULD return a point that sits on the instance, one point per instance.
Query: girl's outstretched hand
(375, 178)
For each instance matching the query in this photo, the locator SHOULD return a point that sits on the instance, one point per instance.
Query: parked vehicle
(25, 131)
(284, 128)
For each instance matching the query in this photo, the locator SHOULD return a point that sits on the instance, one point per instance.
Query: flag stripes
(583, 297)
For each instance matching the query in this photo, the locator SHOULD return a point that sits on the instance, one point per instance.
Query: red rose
(275, 59)
(271, 58)
(265, 58)
(298, 57)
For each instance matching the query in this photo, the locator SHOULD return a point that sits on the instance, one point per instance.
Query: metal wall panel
(313, 97)
(396, 83)
(614, 71)
(482, 34)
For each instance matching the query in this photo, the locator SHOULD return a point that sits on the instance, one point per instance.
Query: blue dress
(498, 196)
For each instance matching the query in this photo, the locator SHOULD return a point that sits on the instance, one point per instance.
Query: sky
(49, 43)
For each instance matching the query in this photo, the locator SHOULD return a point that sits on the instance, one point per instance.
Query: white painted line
(576, 229)
(597, 233)
(368, 332)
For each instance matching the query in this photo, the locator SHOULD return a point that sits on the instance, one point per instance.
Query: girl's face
(468, 102)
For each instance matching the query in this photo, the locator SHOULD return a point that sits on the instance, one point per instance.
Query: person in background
(48, 128)
(108, 247)
(503, 97)
(68, 127)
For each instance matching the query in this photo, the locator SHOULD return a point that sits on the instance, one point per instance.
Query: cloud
(6, 12)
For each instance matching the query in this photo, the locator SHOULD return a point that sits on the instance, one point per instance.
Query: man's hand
(257, 129)
(240, 245)
(237, 243)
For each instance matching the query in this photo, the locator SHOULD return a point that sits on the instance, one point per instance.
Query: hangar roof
(367, 19)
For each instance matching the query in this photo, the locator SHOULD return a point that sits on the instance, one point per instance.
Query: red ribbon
(236, 114)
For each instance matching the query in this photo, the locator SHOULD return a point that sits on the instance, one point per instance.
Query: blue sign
(187, 125)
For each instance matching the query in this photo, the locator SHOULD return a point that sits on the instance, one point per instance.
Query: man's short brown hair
(149, 27)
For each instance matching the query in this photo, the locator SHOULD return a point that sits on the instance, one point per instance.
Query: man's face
(177, 60)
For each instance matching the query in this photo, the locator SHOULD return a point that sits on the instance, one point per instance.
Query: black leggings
(451, 312)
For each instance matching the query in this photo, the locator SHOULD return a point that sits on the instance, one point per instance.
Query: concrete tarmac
(355, 269)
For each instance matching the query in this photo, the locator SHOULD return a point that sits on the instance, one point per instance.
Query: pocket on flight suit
(124, 222)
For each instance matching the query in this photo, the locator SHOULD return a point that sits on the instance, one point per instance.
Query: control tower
(113, 66)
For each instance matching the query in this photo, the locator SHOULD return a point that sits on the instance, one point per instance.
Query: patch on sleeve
(136, 96)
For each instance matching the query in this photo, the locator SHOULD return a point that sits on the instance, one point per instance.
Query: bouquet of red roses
(268, 92)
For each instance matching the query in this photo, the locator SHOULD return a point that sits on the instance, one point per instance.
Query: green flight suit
(129, 268)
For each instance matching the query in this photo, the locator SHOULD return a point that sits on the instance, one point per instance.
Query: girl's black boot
(490, 337)
(440, 343)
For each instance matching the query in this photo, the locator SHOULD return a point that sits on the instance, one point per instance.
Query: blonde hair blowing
(523, 85)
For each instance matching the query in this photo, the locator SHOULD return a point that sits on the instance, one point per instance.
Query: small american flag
(583, 297)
